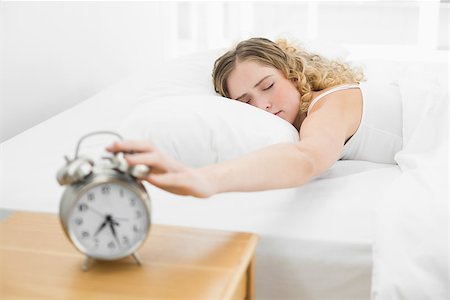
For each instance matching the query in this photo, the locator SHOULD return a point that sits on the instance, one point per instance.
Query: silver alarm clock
(105, 209)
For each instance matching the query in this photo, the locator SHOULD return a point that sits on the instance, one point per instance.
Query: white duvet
(411, 241)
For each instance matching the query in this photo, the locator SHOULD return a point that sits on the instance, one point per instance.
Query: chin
(288, 119)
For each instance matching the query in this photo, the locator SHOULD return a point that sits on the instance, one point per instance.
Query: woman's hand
(165, 172)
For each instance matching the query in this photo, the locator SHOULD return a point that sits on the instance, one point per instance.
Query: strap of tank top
(335, 89)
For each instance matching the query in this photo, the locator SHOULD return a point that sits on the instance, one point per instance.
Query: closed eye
(270, 86)
(245, 99)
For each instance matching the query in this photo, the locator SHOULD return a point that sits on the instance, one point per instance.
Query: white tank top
(379, 135)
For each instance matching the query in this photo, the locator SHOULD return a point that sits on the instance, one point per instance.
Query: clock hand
(111, 225)
(114, 222)
(101, 227)
(103, 215)
(96, 211)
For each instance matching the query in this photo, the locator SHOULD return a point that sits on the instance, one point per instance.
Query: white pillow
(205, 129)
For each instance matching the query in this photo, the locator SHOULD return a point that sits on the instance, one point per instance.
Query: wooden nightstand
(37, 261)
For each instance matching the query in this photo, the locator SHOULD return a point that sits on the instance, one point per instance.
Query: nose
(263, 103)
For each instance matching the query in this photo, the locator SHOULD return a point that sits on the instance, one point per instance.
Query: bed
(361, 230)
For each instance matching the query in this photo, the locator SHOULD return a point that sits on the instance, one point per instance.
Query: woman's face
(264, 87)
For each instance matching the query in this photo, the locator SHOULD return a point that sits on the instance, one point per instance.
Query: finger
(152, 159)
(131, 146)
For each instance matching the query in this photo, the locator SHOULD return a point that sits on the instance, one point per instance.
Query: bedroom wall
(54, 55)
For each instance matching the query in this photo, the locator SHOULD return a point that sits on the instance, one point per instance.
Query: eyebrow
(258, 83)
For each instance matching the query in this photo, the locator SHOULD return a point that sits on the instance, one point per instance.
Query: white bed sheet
(316, 240)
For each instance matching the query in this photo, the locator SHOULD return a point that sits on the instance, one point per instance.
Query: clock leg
(137, 258)
(87, 263)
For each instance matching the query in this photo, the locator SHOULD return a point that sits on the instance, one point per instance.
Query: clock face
(109, 221)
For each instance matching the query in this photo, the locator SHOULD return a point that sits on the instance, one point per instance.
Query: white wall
(54, 55)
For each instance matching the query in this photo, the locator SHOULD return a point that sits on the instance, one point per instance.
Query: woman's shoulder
(342, 103)
(339, 87)
(339, 96)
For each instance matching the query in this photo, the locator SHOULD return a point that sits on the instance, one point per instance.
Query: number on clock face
(108, 220)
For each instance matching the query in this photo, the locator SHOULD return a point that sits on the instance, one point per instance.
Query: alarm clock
(105, 209)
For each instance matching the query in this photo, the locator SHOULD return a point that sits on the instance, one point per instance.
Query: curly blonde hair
(308, 71)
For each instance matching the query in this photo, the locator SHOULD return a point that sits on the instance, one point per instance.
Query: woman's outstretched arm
(322, 138)
(285, 165)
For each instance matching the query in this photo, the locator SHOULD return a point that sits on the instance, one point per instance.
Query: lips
(277, 113)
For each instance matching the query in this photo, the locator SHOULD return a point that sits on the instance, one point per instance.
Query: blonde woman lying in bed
(322, 98)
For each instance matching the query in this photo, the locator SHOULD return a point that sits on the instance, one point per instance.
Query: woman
(321, 98)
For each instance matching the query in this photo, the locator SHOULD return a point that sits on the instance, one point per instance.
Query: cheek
(279, 94)
(289, 93)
